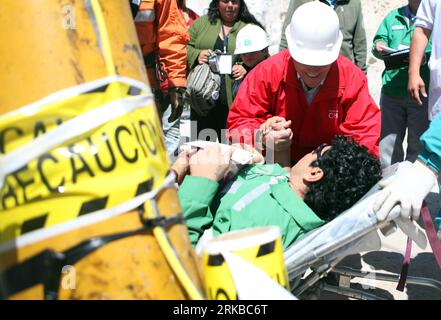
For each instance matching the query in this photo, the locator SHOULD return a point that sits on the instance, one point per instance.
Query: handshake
(275, 134)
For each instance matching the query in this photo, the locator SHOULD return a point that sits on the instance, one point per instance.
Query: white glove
(408, 188)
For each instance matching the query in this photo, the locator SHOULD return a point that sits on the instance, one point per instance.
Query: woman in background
(217, 31)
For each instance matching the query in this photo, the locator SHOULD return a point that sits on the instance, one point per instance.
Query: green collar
(296, 207)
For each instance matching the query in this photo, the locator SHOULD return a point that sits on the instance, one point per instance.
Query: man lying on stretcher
(318, 187)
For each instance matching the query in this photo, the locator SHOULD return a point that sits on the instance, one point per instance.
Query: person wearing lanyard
(217, 31)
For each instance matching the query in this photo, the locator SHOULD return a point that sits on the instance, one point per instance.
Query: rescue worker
(313, 92)
(350, 14)
(163, 37)
(252, 45)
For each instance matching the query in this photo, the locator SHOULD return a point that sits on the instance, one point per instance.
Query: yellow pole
(47, 46)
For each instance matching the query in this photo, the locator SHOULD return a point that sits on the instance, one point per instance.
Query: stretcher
(313, 260)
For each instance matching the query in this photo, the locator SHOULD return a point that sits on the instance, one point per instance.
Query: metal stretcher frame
(317, 280)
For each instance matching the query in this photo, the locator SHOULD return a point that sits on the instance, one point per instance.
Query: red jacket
(343, 105)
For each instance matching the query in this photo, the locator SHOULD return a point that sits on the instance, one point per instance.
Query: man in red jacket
(303, 96)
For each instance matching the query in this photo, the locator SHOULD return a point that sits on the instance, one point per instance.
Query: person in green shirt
(398, 111)
(316, 189)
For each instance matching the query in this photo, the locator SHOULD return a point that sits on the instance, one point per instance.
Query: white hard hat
(314, 36)
(251, 38)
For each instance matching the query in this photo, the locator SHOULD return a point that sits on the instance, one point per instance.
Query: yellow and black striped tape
(100, 169)
(219, 284)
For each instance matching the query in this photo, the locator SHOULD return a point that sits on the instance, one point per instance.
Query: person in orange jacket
(163, 36)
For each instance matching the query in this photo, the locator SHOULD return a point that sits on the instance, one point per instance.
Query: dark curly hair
(244, 14)
(349, 172)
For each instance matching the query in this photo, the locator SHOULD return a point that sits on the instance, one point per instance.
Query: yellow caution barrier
(88, 209)
(261, 247)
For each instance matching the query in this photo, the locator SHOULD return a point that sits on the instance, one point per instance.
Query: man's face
(252, 58)
(229, 10)
(312, 76)
(303, 166)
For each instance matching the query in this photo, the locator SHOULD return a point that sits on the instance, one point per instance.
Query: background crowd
(312, 90)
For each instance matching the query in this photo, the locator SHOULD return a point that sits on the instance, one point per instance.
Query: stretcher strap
(434, 244)
(431, 234)
(405, 267)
